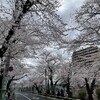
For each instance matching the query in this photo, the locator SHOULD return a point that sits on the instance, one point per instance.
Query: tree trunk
(90, 97)
(15, 25)
(48, 88)
(1, 79)
(9, 82)
(52, 86)
(38, 89)
(68, 88)
(90, 88)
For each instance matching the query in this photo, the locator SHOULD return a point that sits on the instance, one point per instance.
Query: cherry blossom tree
(89, 74)
(48, 66)
(25, 18)
(28, 25)
(87, 24)
(66, 77)
(21, 26)
(35, 81)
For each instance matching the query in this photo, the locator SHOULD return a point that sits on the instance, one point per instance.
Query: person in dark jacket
(62, 92)
(58, 93)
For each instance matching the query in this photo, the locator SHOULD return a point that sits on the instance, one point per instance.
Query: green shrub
(98, 93)
(82, 94)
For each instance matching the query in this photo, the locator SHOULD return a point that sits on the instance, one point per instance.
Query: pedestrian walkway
(31, 96)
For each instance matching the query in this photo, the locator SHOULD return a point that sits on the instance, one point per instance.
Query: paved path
(30, 96)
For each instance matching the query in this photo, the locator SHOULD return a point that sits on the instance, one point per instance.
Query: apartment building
(86, 56)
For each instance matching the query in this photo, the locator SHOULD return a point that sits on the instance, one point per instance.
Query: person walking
(6, 96)
(58, 93)
(62, 93)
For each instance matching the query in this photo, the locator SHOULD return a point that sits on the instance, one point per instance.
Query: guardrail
(2, 94)
(59, 97)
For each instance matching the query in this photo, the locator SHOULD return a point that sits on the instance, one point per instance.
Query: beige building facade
(86, 56)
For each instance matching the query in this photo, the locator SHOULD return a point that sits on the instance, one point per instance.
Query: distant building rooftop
(86, 55)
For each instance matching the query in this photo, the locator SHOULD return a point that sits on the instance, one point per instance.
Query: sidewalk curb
(48, 97)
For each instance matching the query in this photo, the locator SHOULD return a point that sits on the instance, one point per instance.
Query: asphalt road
(30, 96)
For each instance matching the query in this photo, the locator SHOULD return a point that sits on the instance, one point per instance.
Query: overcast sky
(68, 8)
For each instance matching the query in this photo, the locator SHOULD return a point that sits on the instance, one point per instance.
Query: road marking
(35, 98)
(24, 96)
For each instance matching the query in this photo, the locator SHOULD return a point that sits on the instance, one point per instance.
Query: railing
(2, 94)
(58, 97)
